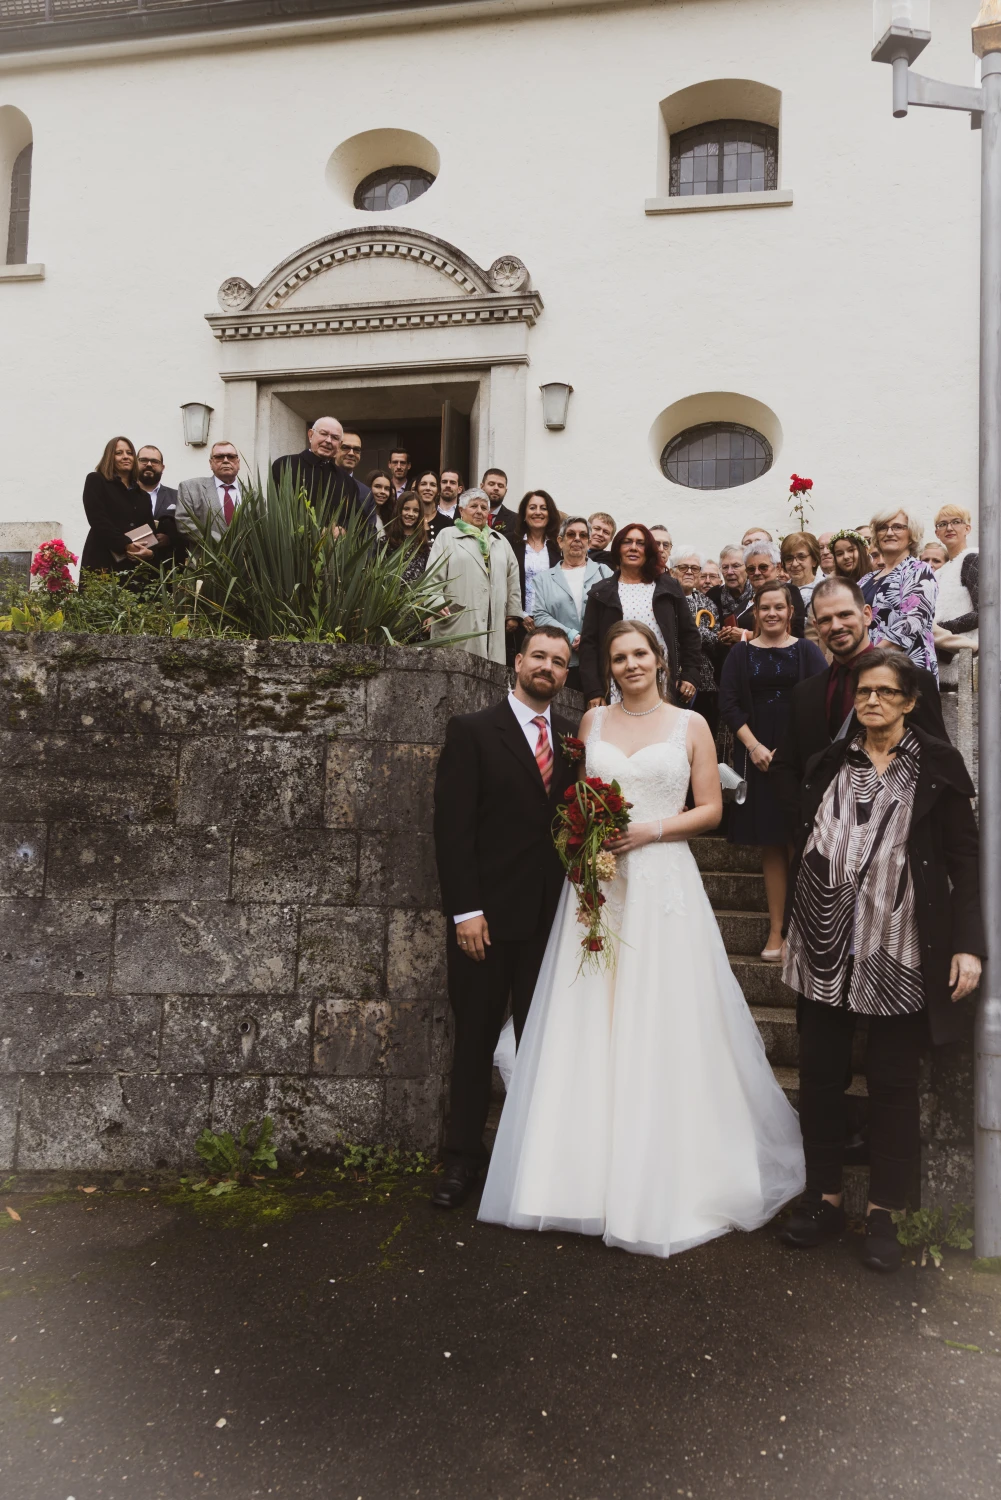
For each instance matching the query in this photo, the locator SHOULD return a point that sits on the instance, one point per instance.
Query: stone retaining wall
(218, 894)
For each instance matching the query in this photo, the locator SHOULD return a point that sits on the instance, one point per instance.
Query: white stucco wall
(851, 314)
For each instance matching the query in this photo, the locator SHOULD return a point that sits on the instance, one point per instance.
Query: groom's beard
(540, 685)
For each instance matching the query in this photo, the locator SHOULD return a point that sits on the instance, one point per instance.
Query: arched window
(724, 156)
(391, 187)
(20, 203)
(716, 456)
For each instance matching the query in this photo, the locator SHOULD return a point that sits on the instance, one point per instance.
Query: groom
(500, 779)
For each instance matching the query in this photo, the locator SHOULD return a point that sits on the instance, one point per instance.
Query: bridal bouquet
(592, 811)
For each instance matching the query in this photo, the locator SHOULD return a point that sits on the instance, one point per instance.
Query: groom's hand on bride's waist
(473, 937)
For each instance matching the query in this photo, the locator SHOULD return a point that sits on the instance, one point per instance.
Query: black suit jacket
(164, 523)
(808, 732)
(328, 486)
(670, 608)
(506, 522)
(493, 823)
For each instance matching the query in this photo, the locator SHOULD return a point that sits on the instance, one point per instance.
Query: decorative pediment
(383, 278)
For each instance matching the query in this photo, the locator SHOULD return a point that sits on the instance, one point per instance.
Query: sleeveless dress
(642, 1107)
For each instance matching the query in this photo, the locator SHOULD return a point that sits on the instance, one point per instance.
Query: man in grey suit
(214, 498)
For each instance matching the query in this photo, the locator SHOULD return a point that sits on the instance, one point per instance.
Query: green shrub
(278, 571)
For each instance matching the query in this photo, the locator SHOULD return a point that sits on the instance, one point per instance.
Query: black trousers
(707, 704)
(478, 994)
(892, 1068)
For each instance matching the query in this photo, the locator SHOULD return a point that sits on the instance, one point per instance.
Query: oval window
(716, 456)
(391, 187)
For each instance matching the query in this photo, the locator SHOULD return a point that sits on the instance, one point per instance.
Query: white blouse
(535, 562)
(637, 604)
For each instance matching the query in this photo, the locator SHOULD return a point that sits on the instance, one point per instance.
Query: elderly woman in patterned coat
(883, 921)
(902, 594)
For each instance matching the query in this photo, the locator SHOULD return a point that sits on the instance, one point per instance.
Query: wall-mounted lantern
(196, 415)
(555, 403)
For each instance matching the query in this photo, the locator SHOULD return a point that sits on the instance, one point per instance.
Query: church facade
(650, 257)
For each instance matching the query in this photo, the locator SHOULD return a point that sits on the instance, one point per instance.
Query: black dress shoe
(881, 1250)
(812, 1221)
(455, 1185)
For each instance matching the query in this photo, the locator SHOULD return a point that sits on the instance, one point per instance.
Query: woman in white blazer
(561, 593)
(480, 585)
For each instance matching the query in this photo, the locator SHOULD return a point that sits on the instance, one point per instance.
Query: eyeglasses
(350, 447)
(891, 528)
(688, 568)
(950, 525)
(797, 557)
(575, 536)
(760, 568)
(222, 457)
(884, 694)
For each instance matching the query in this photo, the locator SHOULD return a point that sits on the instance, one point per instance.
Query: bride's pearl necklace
(640, 713)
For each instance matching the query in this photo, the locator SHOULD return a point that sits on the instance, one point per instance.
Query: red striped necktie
(544, 752)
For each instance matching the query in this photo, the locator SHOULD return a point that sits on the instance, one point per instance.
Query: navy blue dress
(771, 674)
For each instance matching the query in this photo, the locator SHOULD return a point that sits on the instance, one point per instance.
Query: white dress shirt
(222, 487)
(524, 713)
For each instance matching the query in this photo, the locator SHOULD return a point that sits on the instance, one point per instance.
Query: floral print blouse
(903, 610)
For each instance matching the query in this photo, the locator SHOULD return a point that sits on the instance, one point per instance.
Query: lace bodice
(654, 779)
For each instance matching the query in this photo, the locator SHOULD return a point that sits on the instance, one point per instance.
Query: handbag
(734, 786)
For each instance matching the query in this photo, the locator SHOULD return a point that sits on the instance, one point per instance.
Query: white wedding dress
(642, 1106)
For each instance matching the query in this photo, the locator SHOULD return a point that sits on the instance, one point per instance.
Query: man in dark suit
(494, 486)
(331, 489)
(823, 707)
(348, 456)
(171, 547)
(500, 779)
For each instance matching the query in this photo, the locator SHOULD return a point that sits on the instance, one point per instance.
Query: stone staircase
(735, 887)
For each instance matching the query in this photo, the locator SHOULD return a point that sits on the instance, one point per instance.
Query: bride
(642, 1106)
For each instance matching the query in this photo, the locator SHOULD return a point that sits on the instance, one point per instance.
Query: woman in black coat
(114, 504)
(883, 921)
(643, 590)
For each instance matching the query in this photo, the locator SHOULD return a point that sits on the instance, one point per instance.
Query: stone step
(761, 982)
(777, 1025)
(744, 933)
(788, 1080)
(712, 853)
(735, 890)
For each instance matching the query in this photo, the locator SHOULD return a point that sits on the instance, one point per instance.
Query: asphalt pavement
(339, 1340)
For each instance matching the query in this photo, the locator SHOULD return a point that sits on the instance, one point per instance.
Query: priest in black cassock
(332, 490)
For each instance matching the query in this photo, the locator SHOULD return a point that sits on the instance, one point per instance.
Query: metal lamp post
(902, 32)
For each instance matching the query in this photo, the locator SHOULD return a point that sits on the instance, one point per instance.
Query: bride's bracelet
(660, 831)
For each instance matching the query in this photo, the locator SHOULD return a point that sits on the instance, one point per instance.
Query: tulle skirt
(642, 1107)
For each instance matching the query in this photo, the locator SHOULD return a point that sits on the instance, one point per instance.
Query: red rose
(614, 802)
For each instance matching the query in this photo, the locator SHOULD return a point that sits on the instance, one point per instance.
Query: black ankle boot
(812, 1221)
(881, 1250)
(455, 1184)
